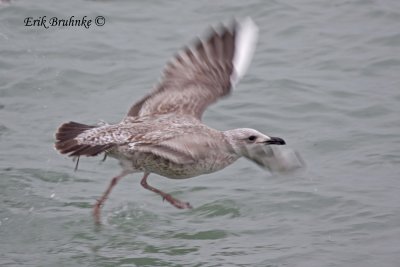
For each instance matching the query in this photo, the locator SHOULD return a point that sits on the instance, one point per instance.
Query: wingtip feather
(245, 44)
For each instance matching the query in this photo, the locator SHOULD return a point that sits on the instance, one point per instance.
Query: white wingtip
(245, 44)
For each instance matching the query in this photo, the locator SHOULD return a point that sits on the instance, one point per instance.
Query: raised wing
(199, 76)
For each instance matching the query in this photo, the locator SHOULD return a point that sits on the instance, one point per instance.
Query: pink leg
(100, 202)
(176, 202)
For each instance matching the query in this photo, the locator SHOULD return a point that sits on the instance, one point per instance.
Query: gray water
(325, 77)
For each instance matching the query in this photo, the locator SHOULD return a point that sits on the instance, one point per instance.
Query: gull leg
(100, 202)
(175, 202)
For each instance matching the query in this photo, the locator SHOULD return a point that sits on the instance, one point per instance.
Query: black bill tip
(275, 141)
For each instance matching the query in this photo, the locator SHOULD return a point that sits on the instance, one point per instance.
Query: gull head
(245, 141)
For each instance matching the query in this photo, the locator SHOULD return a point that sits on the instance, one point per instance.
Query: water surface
(325, 77)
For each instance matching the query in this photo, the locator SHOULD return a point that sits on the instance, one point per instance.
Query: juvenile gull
(163, 132)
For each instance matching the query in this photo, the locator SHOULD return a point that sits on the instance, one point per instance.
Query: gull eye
(252, 138)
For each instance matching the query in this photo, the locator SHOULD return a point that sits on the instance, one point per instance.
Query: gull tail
(67, 141)
(245, 44)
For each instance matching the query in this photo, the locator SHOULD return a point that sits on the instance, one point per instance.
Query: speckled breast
(148, 162)
(167, 168)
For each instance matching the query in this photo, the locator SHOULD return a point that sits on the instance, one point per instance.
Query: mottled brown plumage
(194, 79)
(163, 133)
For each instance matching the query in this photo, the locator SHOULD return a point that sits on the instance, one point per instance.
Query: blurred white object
(276, 158)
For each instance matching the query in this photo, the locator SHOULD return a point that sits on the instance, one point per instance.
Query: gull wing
(199, 76)
(184, 149)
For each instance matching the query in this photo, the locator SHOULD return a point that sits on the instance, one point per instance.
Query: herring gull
(163, 132)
